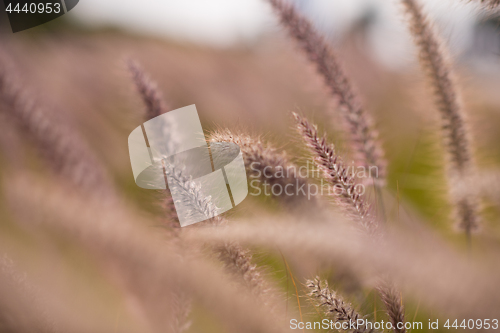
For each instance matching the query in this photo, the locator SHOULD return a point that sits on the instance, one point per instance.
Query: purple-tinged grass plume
(333, 305)
(333, 169)
(434, 60)
(362, 135)
(391, 297)
(235, 258)
(265, 164)
(62, 148)
(338, 177)
(490, 3)
(148, 90)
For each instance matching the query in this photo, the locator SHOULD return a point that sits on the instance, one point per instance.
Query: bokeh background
(234, 61)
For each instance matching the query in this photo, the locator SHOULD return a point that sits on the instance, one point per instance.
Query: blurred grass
(78, 73)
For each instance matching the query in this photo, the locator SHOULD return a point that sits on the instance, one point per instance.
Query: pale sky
(222, 22)
(218, 22)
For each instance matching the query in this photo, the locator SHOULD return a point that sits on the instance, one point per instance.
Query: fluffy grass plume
(148, 263)
(182, 305)
(27, 313)
(395, 310)
(148, 90)
(189, 190)
(62, 148)
(239, 261)
(265, 164)
(409, 262)
(84, 265)
(490, 3)
(155, 106)
(454, 126)
(333, 305)
(362, 135)
(337, 175)
(236, 259)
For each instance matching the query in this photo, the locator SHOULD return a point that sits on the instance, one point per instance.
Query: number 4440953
(41, 8)
(473, 324)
